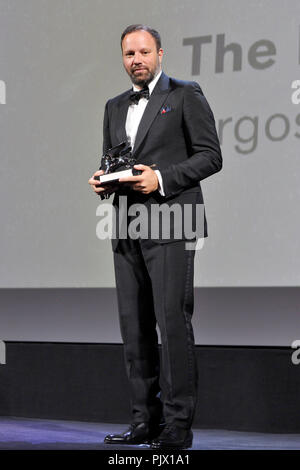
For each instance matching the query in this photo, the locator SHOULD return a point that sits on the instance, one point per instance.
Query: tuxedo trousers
(155, 287)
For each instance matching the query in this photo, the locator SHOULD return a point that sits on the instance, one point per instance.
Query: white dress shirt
(133, 119)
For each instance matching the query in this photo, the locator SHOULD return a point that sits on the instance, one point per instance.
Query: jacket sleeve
(106, 140)
(205, 157)
(106, 132)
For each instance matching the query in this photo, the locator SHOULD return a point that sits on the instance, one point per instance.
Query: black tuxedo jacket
(177, 134)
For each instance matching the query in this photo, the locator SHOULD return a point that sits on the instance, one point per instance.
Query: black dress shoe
(173, 437)
(137, 433)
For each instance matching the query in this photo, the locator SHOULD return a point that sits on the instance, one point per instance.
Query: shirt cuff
(160, 183)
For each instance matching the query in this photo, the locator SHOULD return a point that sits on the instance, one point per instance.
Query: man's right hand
(101, 190)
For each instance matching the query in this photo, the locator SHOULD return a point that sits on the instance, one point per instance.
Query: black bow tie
(135, 96)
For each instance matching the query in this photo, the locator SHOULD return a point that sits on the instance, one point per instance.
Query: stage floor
(28, 433)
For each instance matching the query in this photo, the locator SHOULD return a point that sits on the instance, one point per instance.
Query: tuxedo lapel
(121, 117)
(156, 100)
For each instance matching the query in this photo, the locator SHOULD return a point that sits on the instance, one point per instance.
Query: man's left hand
(145, 183)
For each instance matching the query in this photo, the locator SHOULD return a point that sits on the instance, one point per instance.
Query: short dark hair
(142, 27)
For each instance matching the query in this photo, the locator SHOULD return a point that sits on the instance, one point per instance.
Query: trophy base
(114, 177)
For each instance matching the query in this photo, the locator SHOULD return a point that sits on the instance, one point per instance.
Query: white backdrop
(60, 61)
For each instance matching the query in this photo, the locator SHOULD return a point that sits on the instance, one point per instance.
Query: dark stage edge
(40, 434)
(240, 388)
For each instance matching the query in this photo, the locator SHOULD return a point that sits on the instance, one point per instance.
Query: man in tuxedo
(171, 129)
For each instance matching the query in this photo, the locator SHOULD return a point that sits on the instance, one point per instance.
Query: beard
(145, 77)
(142, 79)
